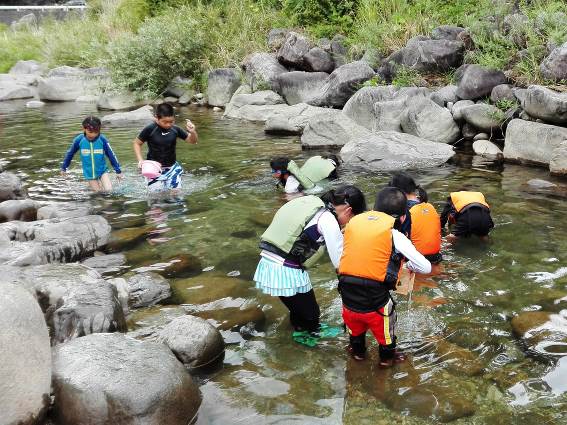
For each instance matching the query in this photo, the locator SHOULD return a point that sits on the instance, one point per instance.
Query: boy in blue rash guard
(93, 148)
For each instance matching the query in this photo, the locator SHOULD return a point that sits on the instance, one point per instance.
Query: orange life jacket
(425, 229)
(462, 199)
(368, 248)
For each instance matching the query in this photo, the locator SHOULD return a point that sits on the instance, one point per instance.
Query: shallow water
(466, 366)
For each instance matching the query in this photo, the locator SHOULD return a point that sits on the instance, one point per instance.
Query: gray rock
(179, 87)
(142, 115)
(486, 149)
(75, 300)
(458, 107)
(390, 150)
(330, 129)
(294, 48)
(558, 161)
(519, 94)
(11, 187)
(64, 209)
(15, 90)
(373, 58)
(276, 38)
(502, 92)
(222, 83)
(360, 107)
(541, 184)
(483, 116)
(532, 142)
(389, 114)
(106, 263)
(425, 55)
(548, 105)
(469, 132)
(18, 209)
(261, 70)
(26, 22)
(170, 99)
(122, 292)
(481, 136)
(319, 60)
(476, 82)
(54, 240)
(427, 120)
(88, 98)
(194, 341)
(342, 84)
(63, 84)
(35, 104)
(25, 369)
(256, 107)
(292, 120)
(146, 289)
(117, 101)
(299, 86)
(444, 95)
(111, 378)
(446, 32)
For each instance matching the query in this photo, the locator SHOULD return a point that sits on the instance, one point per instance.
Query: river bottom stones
(195, 342)
(25, 369)
(111, 378)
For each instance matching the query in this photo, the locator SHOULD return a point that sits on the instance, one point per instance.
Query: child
(469, 213)
(295, 179)
(369, 268)
(93, 146)
(161, 137)
(422, 225)
(299, 229)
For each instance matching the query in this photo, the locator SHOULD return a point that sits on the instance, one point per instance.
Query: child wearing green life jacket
(93, 148)
(295, 179)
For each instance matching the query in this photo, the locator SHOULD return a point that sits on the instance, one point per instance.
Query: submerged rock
(143, 114)
(25, 369)
(146, 289)
(106, 263)
(111, 378)
(235, 317)
(18, 209)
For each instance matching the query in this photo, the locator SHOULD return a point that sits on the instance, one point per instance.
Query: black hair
(346, 195)
(92, 123)
(404, 182)
(391, 201)
(421, 194)
(164, 110)
(333, 158)
(280, 163)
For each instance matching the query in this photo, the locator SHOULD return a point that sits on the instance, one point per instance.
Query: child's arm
(70, 153)
(193, 137)
(446, 212)
(110, 154)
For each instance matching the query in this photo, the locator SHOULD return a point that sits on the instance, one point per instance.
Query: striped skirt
(278, 280)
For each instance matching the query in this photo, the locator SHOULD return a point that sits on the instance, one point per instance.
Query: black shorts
(474, 220)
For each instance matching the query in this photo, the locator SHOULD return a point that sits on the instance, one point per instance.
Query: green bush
(18, 45)
(323, 18)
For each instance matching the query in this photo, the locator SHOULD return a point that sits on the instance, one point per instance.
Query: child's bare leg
(105, 182)
(95, 185)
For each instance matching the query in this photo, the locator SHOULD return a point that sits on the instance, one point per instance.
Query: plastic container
(151, 169)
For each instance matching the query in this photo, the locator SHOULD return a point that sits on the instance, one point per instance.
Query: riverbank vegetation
(145, 43)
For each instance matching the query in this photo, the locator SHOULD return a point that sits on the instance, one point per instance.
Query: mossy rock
(234, 317)
(123, 239)
(207, 287)
(529, 320)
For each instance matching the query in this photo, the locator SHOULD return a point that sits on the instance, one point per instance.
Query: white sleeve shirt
(291, 185)
(416, 262)
(329, 228)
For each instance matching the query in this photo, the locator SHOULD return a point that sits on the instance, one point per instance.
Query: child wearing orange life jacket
(369, 268)
(422, 224)
(468, 214)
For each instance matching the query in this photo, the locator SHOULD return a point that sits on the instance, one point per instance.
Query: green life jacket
(288, 224)
(299, 175)
(317, 168)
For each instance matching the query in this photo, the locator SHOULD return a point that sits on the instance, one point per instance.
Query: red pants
(381, 323)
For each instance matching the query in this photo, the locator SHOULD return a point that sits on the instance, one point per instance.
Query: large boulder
(342, 84)
(457, 109)
(444, 95)
(276, 37)
(330, 129)
(426, 55)
(63, 84)
(475, 82)
(427, 120)
(390, 150)
(532, 142)
(25, 369)
(319, 60)
(261, 70)
(292, 120)
(299, 86)
(222, 83)
(109, 263)
(75, 300)
(446, 32)
(53, 240)
(558, 162)
(483, 116)
(360, 107)
(11, 187)
(117, 101)
(292, 51)
(64, 209)
(389, 114)
(193, 340)
(554, 66)
(257, 107)
(146, 289)
(545, 104)
(142, 115)
(13, 89)
(111, 378)
(20, 209)
(29, 67)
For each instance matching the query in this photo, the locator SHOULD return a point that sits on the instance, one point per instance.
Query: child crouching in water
(93, 147)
